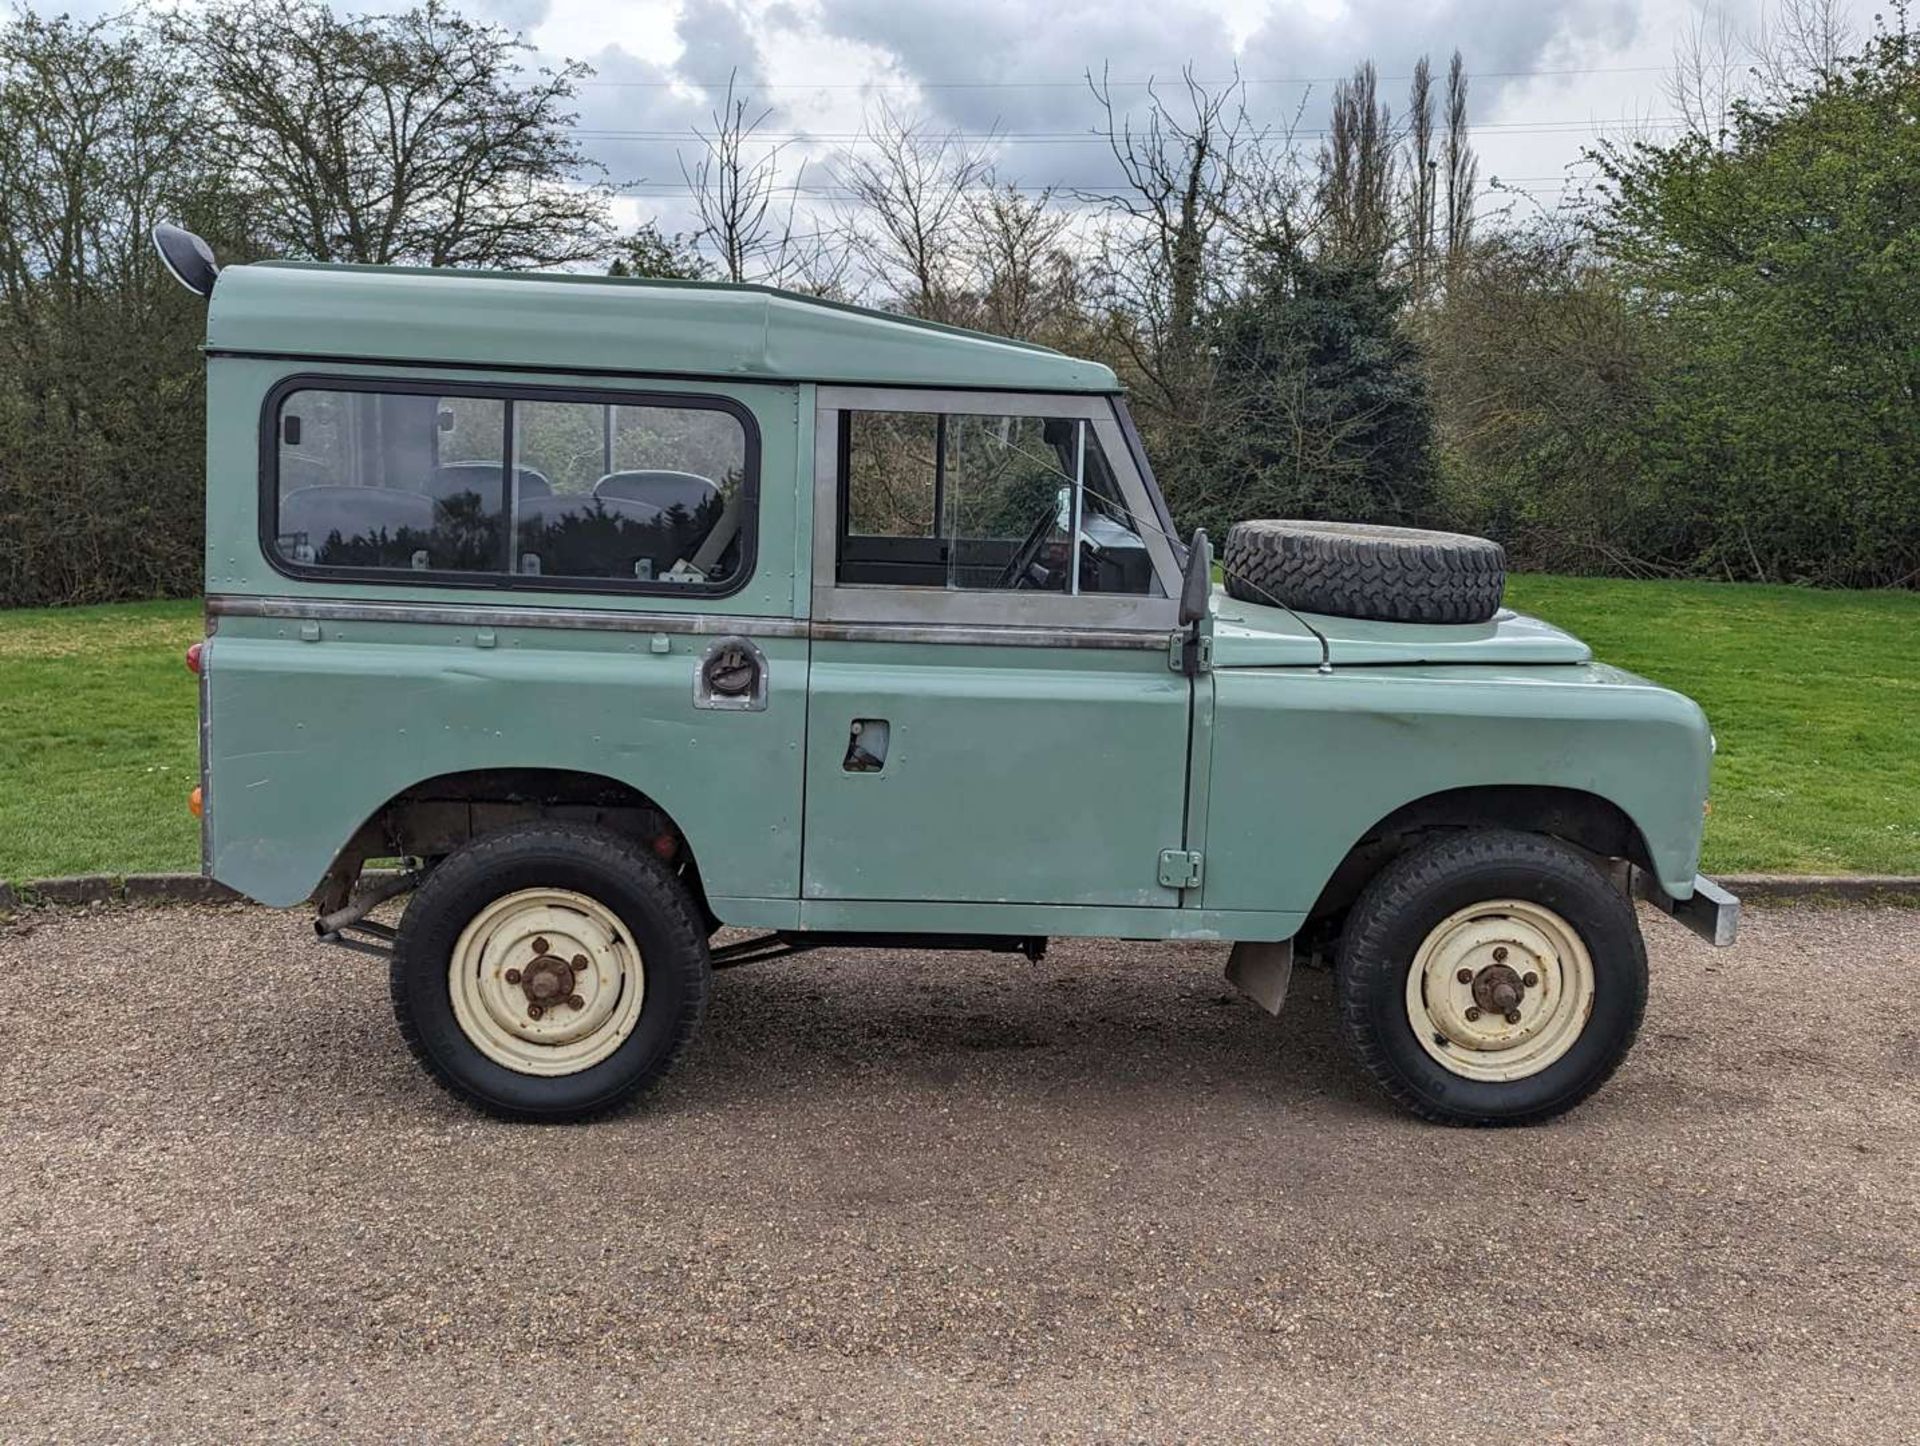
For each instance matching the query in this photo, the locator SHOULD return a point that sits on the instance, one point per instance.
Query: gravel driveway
(943, 1196)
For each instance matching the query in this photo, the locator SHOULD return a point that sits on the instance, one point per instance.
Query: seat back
(317, 513)
(450, 479)
(658, 487)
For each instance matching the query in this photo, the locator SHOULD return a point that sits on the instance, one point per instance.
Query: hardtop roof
(572, 322)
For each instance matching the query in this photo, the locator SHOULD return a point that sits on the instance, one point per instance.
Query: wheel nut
(1473, 1013)
(534, 1011)
(513, 976)
(1465, 976)
(574, 1001)
(579, 963)
(1499, 954)
(539, 946)
(1513, 1016)
(1530, 979)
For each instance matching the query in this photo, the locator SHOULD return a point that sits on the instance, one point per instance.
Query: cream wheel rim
(546, 982)
(1501, 990)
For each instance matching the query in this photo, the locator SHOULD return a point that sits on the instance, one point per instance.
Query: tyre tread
(666, 894)
(1405, 576)
(1364, 965)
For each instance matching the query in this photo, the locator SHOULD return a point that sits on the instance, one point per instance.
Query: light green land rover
(620, 612)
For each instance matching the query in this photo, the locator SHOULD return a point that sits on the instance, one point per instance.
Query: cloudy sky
(1548, 77)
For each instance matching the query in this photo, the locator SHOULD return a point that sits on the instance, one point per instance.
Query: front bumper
(1712, 912)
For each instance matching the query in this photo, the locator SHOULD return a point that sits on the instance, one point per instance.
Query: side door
(992, 715)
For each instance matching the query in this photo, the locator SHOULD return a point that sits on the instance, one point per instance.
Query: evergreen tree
(1328, 396)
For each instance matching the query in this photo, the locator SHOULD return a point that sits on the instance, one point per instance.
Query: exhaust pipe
(356, 909)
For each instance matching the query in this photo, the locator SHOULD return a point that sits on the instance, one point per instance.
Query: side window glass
(1009, 501)
(979, 502)
(627, 492)
(893, 473)
(362, 481)
(607, 491)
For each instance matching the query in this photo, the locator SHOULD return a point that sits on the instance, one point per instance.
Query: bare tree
(416, 137)
(910, 187)
(1025, 281)
(1800, 40)
(1275, 195)
(1707, 75)
(1462, 168)
(734, 181)
(1179, 176)
(1717, 65)
(1357, 165)
(1422, 179)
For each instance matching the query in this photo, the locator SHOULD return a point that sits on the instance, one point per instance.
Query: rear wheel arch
(436, 816)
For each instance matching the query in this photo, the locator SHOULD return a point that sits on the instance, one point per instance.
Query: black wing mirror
(188, 259)
(1197, 585)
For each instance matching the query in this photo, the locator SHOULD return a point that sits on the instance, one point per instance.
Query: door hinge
(1181, 643)
(1179, 869)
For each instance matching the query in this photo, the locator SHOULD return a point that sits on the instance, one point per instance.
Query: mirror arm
(1196, 589)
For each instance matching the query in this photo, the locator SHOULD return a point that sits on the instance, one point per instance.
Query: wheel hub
(1497, 989)
(548, 980)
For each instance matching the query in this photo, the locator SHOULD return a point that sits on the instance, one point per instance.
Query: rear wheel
(1491, 978)
(550, 972)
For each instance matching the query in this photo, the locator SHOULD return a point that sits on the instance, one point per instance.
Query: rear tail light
(194, 654)
(196, 803)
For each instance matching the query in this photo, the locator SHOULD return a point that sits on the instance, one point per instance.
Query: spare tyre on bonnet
(1357, 570)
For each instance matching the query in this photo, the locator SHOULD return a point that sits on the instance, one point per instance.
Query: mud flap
(1261, 972)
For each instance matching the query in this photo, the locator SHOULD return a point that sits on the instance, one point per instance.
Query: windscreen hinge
(1180, 868)
(1188, 652)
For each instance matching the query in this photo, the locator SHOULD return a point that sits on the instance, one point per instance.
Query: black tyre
(1491, 978)
(550, 972)
(1352, 570)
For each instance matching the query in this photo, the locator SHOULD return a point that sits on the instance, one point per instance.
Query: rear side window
(463, 486)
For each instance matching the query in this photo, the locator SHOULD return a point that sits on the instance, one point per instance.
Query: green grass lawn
(1815, 697)
(98, 740)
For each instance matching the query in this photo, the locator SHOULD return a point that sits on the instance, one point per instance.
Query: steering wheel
(1020, 568)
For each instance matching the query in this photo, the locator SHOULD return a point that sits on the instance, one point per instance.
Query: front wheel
(550, 972)
(1491, 978)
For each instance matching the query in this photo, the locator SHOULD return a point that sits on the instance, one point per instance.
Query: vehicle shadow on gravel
(1139, 1018)
(1088, 1023)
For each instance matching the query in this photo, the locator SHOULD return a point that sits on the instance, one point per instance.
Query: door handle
(867, 740)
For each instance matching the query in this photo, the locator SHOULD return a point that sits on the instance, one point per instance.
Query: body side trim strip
(571, 619)
(1005, 637)
(701, 624)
